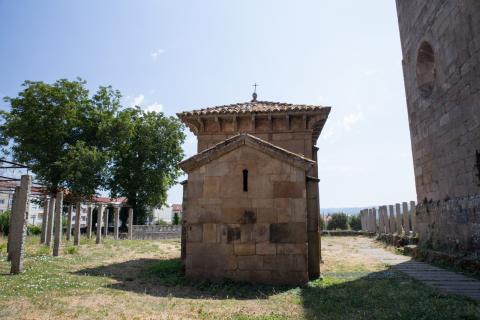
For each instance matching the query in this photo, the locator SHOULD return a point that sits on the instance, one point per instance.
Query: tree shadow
(161, 278)
(387, 294)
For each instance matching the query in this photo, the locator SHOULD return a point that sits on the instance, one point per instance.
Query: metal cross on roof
(254, 95)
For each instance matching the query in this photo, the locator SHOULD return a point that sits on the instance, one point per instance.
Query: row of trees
(86, 143)
(340, 221)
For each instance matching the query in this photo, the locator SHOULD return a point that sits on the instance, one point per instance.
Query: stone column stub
(89, 221)
(105, 222)
(58, 223)
(116, 218)
(19, 228)
(76, 235)
(393, 223)
(43, 235)
(406, 218)
(69, 222)
(99, 223)
(11, 222)
(51, 215)
(399, 218)
(413, 215)
(130, 223)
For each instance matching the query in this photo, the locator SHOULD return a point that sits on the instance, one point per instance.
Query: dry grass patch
(143, 280)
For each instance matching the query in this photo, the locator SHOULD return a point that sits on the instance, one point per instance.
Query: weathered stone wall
(154, 232)
(443, 94)
(299, 142)
(259, 235)
(452, 225)
(441, 64)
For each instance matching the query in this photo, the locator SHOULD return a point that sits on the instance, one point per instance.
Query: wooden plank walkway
(446, 281)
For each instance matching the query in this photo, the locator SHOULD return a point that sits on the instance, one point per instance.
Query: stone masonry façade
(441, 63)
(269, 232)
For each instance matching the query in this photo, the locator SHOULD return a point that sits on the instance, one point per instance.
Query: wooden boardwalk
(446, 281)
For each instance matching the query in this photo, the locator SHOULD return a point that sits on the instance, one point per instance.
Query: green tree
(61, 133)
(145, 156)
(176, 219)
(338, 221)
(5, 222)
(355, 222)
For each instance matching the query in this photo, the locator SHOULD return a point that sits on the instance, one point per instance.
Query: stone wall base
(451, 225)
(397, 240)
(346, 233)
(466, 263)
(153, 232)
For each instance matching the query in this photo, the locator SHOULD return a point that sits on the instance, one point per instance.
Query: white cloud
(157, 107)
(352, 119)
(156, 54)
(138, 100)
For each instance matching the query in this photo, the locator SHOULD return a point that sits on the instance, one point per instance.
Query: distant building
(166, 213)
(35, 212)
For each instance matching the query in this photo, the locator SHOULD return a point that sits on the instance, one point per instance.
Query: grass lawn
(142, 280)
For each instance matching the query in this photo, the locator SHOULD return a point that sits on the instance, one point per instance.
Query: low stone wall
(452, 225)
(397, 240)
(347, 233)
(469, 263)
(154, 232)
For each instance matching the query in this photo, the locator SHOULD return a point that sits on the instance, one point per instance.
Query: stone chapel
(251, 200)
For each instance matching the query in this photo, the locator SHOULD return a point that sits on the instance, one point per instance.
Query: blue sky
(180, 55)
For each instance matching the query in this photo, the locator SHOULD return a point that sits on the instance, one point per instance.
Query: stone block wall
(452, 226)
(154, 232)
(441, 63)
(259, 235)
(298, 141)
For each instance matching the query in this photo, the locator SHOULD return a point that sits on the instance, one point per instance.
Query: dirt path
(368, 251)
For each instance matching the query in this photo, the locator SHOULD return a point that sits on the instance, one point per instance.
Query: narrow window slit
(245, 180)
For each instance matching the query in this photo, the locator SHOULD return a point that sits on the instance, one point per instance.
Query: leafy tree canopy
(355, 222)
(338, 221)
(61, 133)
(145, 156)
(71, 139)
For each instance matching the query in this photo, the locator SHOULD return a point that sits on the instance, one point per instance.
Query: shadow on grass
(352, 295)
(165, 278)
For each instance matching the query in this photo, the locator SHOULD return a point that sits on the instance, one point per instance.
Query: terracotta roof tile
(253, 107)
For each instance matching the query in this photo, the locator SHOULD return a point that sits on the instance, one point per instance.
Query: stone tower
(251, 201)
(441, 64)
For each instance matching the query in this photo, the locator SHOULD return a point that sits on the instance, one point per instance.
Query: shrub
(161, 222)
(33, 230)
(4, 222)
(176, 219)
(71, 250)
(355, 222)
(338, 221)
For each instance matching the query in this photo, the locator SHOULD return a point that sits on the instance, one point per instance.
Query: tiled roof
(109, 200)
(253, 107)
(176, 207)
